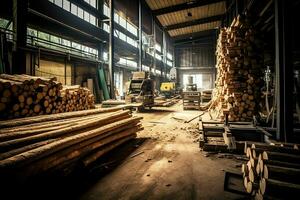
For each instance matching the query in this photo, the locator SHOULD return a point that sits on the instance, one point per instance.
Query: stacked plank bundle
(272, 170)
(238, 72)
(59, 142)
(24, 96)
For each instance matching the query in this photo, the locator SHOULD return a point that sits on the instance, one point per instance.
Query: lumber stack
(238, 72)
(59, 142)
(273, 171)
(24, 96)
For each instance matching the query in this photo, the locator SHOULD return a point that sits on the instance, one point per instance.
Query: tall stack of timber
(273, 171)
(238, 72)
(24, 96)
(58, 143)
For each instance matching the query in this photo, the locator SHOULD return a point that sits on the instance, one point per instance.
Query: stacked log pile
(24, 96)
(273, 171)
(59, 142)
(238, 72)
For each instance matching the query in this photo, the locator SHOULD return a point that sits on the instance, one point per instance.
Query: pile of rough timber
(58, 143)
(238, 72)
(273, 171)
(24, 96)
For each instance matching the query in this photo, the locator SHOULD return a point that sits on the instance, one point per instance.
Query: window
(197, 78)
(116, 17)
(131, 29)
(91, 2)
(93, 19)
(84, 48)
(105, 56)
(66, 5)
(158, 47)
(73, 9)
(86, 16)
(65, 42)
(158, 57)
(44, 36)
(3, 23)
(76, 45)
(169, 63)
(55, 42)
(122, 22)
(31, 32)
(123, 61)
(106, 27)
(122, 36)
(80, 13)
(59, 3)
(169, 56)
(106, 10)
(54, 39)
(146, 68)
(116, 33)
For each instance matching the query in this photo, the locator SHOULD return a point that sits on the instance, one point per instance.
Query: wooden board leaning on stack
(273, 171)
(58, 143)
(24, 96)
(238, 72)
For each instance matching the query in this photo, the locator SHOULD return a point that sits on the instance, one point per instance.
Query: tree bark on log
(40, 152)
(44, 118)
(7, 145)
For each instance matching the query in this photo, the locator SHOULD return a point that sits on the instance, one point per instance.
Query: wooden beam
(184, 6)
(195, 22)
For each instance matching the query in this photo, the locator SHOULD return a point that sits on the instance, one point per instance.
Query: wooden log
(67, 169)
(7, 145)
(25, 148)
(27, 133)
(74, 153)
(274, 148)
(282, 157)
(37, 119)
(14, 78)
(100, 152)
(285, 174)
(275, 188)
(278, 163)
(40, 152)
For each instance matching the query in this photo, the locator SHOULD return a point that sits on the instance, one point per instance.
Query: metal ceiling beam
(204, 40)
(190, 36)
(184, 6)
(195, 22)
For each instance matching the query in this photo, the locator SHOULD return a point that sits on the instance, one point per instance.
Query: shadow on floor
(61, 186)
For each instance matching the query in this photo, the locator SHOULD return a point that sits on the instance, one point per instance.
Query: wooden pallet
(215, 136)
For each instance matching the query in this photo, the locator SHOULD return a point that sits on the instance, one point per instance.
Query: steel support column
(140, 38)
(111, 50)
(164, 60)
(20, 10)
(284, 72)
(154, 44)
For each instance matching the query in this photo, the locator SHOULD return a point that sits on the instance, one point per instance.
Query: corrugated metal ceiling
(188, 15)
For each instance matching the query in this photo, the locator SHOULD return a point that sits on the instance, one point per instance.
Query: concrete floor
(168, 164)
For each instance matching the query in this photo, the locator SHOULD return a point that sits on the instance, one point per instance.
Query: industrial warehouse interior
(149, 99)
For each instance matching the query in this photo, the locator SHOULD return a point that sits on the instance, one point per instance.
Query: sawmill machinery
(168, 89)
(140, 90)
